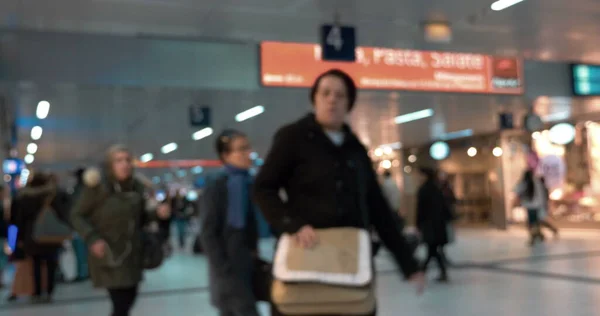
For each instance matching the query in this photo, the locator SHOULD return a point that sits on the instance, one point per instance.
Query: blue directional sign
(200, 116)
(338, 43)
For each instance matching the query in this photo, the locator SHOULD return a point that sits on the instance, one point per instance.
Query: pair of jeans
(181, 224)
(51, 262)
(122, 300)
(81, 254)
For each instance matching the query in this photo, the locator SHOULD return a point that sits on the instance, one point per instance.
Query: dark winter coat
(230, 251)
(326, 186)
(28, 206)
(433, 214)
(103, 212)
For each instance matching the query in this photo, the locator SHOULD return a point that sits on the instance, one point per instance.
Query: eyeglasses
(244, 148)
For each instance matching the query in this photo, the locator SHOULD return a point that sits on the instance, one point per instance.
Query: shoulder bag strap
(46, 205)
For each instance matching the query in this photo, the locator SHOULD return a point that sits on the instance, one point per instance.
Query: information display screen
(585, 79)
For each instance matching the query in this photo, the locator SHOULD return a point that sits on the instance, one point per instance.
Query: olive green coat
(104, 213)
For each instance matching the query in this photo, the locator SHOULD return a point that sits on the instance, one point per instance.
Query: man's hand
(306, 237)
(418, 279)
(98, 248)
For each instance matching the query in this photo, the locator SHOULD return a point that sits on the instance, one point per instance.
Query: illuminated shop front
(568, 160)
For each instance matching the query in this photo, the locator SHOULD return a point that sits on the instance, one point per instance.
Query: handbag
(262, 279)
(48, 228)
(450, 233)
(333, 278)
(153, 254)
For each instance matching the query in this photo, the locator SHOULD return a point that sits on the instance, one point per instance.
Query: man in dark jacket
(328, 177)
(433, 216)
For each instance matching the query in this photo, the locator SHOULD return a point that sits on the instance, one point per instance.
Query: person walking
(328, 177)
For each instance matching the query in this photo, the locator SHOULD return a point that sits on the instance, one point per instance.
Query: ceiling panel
(85, 120)
(544, 29)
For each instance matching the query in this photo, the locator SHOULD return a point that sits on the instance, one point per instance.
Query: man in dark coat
(433, 216)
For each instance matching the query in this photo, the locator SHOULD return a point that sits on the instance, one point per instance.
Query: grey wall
(547, 79)
(97, 59)
(113, 60)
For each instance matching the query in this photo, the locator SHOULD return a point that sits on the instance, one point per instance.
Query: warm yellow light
(556, 195)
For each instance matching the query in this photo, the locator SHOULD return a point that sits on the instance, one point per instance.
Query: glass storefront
(571, 173)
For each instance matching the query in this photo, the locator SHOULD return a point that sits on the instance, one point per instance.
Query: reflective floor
(495, 273)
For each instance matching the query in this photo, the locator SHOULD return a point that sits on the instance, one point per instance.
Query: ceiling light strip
(503, 4)
(250, 113)
(405, 118)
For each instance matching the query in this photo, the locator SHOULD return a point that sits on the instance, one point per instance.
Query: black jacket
(230, 251)
(326, 186)
(433, 214)
(27, 207)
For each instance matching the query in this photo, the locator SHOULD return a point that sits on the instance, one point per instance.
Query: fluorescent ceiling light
(29, 159)
(248, 114)
(503, 4)
(558, 116)
(439, 150)
(32, 148)
(203, 133)
(413, 116)
(36, 132)
(146, 157)
(43, 108)
(168, 148)
(396, 145)
(562, 133)
(458, 134)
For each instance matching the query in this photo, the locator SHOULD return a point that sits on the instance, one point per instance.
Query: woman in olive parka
(110, 214)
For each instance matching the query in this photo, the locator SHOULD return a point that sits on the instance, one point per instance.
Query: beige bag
(333, 278)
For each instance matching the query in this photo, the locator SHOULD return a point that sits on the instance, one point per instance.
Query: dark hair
(348, 83)
(224, 140)
(529, 184)
(387, 174)
(429, 173)
(38, 179)
(78, 173)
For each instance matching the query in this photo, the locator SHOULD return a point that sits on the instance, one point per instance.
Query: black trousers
(122, 300)
(239, 311)
(436, 252)
(51, 265)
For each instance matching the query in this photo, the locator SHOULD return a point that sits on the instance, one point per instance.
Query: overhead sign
(585, 80)
(338, 43)
(298, 65)
(12, 166)
(200, 116)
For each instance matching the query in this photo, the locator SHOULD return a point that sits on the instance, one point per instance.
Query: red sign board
(298, 65)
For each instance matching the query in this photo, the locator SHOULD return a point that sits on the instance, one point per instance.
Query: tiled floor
(496, 274)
